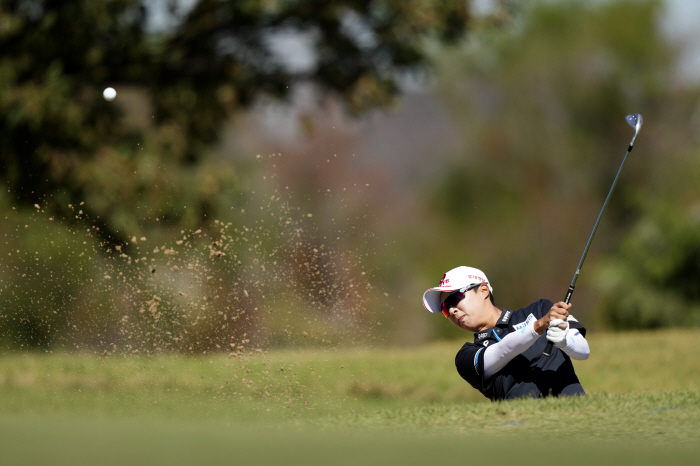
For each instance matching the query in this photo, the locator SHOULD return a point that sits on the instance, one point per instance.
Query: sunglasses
(453, 299)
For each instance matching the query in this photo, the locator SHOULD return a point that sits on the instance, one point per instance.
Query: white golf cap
(453, 280)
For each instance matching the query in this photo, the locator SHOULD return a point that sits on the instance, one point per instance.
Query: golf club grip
(548, 349)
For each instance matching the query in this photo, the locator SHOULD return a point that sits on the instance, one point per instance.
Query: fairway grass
(643, 402)
(30, 440)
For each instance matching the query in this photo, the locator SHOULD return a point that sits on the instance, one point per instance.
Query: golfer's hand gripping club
(635, 121)
(548, 349)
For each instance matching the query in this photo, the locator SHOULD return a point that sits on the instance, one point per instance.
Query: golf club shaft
(548, 349)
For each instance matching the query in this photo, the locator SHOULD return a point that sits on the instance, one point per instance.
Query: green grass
(644, 402)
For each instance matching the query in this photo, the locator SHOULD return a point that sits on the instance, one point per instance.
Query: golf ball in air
(109, 93)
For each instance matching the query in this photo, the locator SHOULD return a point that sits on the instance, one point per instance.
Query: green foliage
(542, 108)
(62, 143)
(43, 271)
(107, 174)
(653, 281)
(540, 103)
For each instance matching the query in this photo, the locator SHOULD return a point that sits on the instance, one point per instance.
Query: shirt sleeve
(498, 355)
(477, 364)
(576, 344)
(470, 364)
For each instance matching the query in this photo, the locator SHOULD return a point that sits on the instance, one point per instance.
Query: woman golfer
(506, 361)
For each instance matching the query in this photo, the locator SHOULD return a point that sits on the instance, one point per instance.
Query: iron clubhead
(635, 121)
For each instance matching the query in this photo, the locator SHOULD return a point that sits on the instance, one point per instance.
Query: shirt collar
(506, 314)
(503, 320)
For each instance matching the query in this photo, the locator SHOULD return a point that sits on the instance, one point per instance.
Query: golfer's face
(464, 309)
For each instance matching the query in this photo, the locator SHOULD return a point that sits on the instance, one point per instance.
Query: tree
(543, 108)
(653, 281)
(62, 144)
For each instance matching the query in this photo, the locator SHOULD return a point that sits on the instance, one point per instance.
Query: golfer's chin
(464, 324)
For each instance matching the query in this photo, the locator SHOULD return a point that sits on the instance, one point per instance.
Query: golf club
(635, 121)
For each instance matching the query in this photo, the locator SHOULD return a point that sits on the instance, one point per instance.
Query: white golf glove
(557, 335)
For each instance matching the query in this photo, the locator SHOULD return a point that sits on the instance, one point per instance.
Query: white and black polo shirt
(529, 374)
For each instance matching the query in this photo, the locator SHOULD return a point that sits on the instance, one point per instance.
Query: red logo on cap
(444, 281)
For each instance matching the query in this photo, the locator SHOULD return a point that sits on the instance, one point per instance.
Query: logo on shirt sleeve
(521, 326)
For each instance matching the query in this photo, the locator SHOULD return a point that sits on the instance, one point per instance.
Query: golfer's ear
(484, 290)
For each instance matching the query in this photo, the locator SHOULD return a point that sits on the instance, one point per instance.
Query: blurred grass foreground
(324, 402)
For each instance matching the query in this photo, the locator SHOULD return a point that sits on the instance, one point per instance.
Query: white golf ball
(109, 93)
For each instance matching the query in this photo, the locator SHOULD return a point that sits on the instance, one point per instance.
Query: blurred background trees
(543, 115)
(182, 81)
(194, 213)
(148, 164)
(541, 110)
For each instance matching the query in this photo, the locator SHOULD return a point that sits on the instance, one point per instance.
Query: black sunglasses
(452, 299)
